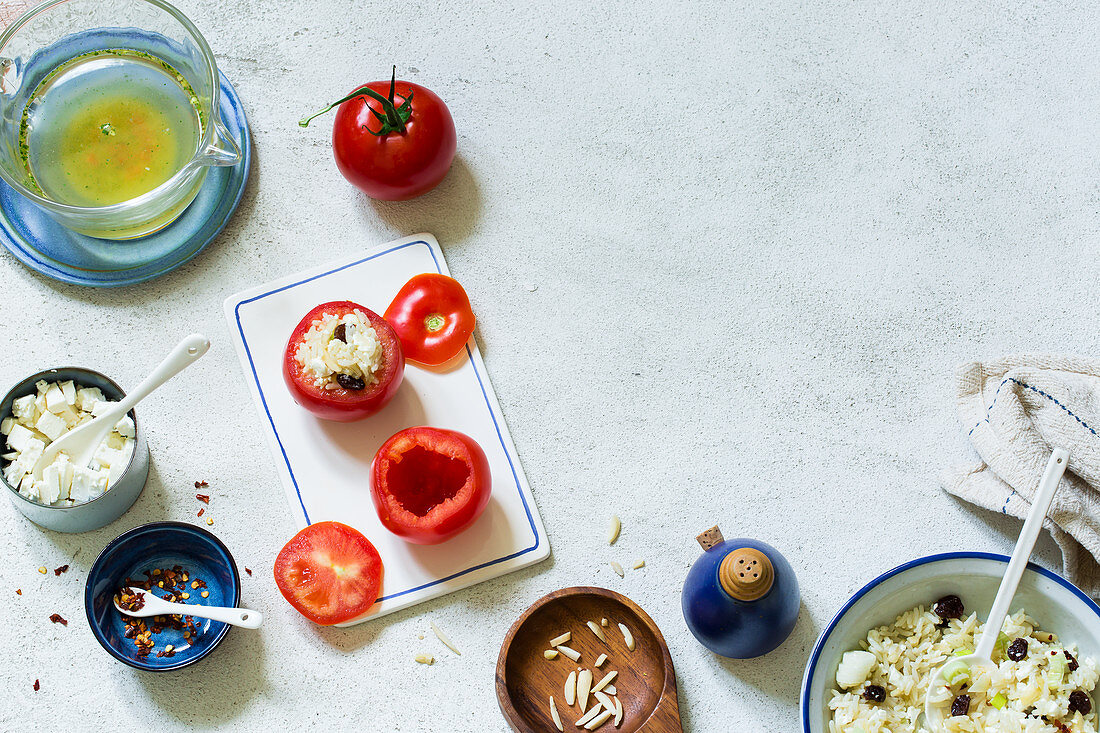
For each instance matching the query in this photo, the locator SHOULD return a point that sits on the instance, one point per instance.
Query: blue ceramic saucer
(160, 546)
(46, 247)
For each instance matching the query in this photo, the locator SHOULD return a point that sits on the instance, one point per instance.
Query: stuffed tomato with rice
(343, 362)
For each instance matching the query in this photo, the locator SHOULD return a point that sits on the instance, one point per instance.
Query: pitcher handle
(223, 151)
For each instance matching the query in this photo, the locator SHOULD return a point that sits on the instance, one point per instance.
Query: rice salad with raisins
(341, 351)
(1040, 684)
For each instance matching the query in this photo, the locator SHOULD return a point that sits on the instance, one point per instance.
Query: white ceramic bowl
(1058, 606)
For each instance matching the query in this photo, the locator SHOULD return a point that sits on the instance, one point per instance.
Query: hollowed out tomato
(429, 484)
(344, 402)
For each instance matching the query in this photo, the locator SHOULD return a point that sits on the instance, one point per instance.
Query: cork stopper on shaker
(746, 574)
(710, 538)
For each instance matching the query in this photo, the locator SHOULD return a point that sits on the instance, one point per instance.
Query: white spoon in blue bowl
(941, 693)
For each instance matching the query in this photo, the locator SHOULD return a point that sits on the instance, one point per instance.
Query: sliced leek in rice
(956, 671)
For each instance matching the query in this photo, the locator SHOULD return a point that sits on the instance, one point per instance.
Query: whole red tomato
(394, 140)
(344, 404)
(433, 318)
(429, 484)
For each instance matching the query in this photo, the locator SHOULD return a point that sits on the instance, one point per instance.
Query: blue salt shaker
(741, 597)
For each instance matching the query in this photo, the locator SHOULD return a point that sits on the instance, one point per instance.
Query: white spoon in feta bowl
(949, 693)
(80, 444)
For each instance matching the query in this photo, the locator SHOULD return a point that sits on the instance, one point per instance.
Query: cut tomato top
(433, 318)
(329, 572)
(429, 484)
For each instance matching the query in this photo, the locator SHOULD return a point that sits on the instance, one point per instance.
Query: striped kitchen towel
(1016, 410)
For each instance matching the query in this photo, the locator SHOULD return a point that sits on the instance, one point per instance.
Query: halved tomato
(429, 484)
(344, 399)
(329, 572)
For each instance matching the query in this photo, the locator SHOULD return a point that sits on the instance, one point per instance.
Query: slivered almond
(550, 654)
(443, 638)
(603, 622)
(600, 660)
(588, 716)
(554, 714)
(598, 720)
(613, 529)
(425, 658)
(563, 639)
(639, 564)
(627, 636)
(571, 689)
(617, 568)
(607, 678)
(571, 653)
(618, 712)
(610, 690)
(597, 631)
(584, 686)
(605, 700)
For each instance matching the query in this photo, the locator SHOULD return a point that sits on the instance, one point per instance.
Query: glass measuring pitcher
(109, 114)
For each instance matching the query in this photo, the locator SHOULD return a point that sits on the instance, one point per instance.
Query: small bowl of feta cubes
(69, 498)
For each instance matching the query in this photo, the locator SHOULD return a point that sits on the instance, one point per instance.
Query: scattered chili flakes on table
(204, 498)
(249, 572)
(201, 484)
(18, 591)
(57, 619)
(62, 569)
(201, 510)
(36, 686)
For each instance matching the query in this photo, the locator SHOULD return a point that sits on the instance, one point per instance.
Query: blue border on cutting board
(480, 382)
(811, 666)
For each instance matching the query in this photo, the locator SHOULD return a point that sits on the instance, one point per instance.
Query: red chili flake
(18, 592)
(201, 510)
(62, 569)
(249, 572)
(201, 484)
(36, 686)
(56, 618)
(203, 498)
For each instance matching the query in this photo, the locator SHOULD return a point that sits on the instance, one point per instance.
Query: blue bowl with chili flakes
(149, 555)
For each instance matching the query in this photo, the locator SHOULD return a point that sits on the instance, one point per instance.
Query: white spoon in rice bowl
(81, 442)
(941, 691)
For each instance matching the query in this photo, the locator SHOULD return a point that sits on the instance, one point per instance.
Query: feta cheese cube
(50, 424)
(10, 456)
(19, 437)
(125, 427)
(55, 399)
(6, 425)
(100, 407)
(86, 397)
(83, 484)
(115, 473)
(49, 487)
(28, 488)
(30, 455)
(41, 385)
(14, 473)
(69, 390)
(65, 474)
(70, 416)
(23, 409)
(39, 405)
(105, 456)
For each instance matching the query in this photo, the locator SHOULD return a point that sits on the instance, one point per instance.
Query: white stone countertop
(725, 257)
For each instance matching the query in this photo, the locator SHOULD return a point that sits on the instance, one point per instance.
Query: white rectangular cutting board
(324, 465)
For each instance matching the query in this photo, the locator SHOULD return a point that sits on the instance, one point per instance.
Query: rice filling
(341, 352)
(1026, 693)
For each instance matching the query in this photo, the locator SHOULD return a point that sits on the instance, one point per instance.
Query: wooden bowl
(646, 683)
